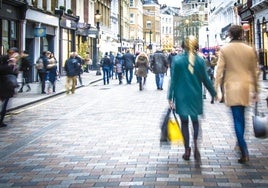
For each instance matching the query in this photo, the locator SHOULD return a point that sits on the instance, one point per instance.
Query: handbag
(260, 124)
(170, 129)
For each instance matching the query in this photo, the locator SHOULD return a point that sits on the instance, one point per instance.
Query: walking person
(129, 63)
(41, 66)
(237, 70)
(7, 67)
(142, 66)
(52, 73)
(159, 66)
(119, 67)
(72, 69)
(188, 73)
(81, 62)
(106, 65)
(112, 59)
(25, 68)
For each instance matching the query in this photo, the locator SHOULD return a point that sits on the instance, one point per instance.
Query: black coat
(5, 69)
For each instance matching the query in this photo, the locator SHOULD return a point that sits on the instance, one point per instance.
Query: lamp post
(150, 45)
(207, 30)
(97, 65)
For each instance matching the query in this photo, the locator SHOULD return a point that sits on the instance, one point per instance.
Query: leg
(239, 125)
(185, 133)
(161, 80)
(3, 112)
(130, 75)
(74, 82)
(195, 123)
(157, 81)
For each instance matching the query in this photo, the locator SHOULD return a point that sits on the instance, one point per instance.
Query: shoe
(243, 160)
(186, 155)
(3, 125)
(197, 155)
(20, 91)
(29, 89)
(43, 92)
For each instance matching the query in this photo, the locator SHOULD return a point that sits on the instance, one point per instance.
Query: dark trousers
(185, 129)
(4, 109)
(129, 75)
(42, 77)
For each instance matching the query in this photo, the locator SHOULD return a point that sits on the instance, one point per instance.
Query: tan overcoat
(238, 72)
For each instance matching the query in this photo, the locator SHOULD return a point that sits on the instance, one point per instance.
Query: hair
(191, 45)
(235, 32)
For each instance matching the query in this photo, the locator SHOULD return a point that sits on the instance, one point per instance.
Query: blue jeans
(106, 76)
(129, 75)
(159, 79)
(239, 125)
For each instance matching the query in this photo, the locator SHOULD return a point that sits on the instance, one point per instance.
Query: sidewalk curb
(48, 96)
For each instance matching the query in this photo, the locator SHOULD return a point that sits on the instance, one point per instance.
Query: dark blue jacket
(72, 67)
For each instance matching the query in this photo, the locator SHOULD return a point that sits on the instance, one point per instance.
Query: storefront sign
(40, 32)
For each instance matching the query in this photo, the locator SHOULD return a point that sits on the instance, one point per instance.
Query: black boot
(20, 90)
(186, 155)
(29, 88)
(196, 151)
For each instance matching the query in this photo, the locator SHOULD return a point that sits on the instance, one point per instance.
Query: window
(148, 25)
(131, 4)
(132, 18)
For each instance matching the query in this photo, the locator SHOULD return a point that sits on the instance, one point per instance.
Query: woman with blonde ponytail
(185, 91)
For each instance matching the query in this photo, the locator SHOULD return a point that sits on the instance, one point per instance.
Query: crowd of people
(229, 75)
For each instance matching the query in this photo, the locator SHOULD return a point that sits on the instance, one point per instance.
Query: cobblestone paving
(108, 136)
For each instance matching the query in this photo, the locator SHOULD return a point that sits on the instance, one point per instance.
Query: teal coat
(185, 88)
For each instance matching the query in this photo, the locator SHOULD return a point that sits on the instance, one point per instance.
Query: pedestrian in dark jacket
(159, 66)
(106, 66)
(72, 69)
(129, 63)
(25, 67)
(8, 69)
(42, 70)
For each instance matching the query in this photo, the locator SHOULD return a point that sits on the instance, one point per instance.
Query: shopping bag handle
(176, 119)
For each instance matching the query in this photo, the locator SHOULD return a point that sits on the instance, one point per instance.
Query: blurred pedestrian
(106, 66)
(72, 69)
(159, 66)
(25, 68)
(237, 70)
(170, 57)
(88, 63)
(81, 63)
(119, 67)
(52, 73)
(129, 62)
(112, 59)
(185, 91)
(142, 66)
(8, 73)
(41, 66)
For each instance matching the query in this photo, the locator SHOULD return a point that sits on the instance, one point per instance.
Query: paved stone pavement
(108, 136)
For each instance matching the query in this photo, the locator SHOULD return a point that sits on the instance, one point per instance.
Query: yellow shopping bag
(174, 132)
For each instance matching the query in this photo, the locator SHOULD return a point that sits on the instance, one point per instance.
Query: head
(48, 53)
(191, 43)
(106, 54)
(235, 32)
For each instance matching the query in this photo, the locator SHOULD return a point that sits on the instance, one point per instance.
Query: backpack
(39, 64)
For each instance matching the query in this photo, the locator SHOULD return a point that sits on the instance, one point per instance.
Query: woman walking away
(25, 67)
(188, 73)
(142, 66)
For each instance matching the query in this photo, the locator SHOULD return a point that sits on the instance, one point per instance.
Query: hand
(219, 94)
(171, 105)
